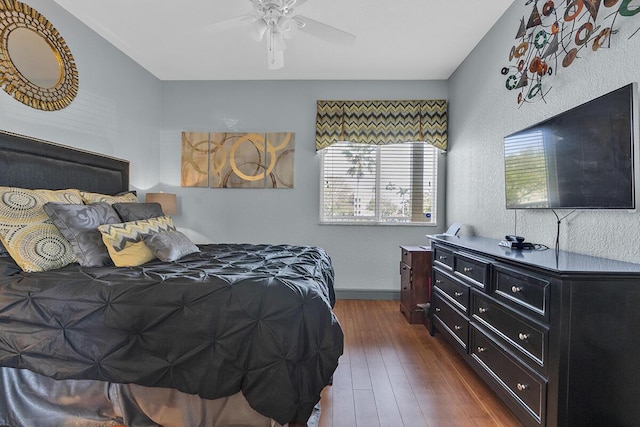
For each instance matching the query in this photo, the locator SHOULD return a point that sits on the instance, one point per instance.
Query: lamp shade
(166, 200)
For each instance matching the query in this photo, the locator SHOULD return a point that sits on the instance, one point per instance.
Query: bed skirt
(28, 399)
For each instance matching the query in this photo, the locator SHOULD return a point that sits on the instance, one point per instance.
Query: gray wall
(482, 112)
(116, 111)
(124, 111)
(365, 257)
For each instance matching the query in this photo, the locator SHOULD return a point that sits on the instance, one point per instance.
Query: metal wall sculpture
(238, 160)
(555, 34)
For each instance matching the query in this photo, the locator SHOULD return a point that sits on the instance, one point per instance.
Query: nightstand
(415, 281)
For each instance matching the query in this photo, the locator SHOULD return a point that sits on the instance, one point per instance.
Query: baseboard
(367, 294)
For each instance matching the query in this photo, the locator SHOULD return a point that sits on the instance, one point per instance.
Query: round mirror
(36, 66)
(34, 58)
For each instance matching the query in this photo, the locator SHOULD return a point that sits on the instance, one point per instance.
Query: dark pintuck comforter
(255, 318)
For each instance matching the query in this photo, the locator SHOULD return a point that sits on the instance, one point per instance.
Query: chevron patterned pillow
(125, 241)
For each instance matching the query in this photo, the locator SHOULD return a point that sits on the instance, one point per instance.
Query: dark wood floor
(393, 374)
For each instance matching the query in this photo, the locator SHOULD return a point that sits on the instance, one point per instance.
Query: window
(379, 184)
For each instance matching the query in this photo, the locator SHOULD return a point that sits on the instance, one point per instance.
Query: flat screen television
(583, 158)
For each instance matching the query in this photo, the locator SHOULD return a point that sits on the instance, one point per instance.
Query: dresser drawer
(455, 292)
(450, 321)
(522, 290)
(525, 388)
(474, 269)
(525, 336)
(443, 257)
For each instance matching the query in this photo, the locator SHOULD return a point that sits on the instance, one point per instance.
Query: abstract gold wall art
(238, 160)
(195, 159)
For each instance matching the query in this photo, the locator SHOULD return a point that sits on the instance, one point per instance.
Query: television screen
(581, 159)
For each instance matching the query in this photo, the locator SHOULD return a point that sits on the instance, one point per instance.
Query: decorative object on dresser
(552, 333)
(415, 279)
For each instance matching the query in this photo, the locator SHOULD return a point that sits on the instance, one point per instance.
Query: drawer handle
(405, 253)
(457, 327)
(482, 310)
(481, 349)
(467, 269)
(516, 289)
(522, 387)
(523, 337)
(442, 257)
(438, 310)
(458, 294)
(404, 288)
(404, 267)
(438, 281)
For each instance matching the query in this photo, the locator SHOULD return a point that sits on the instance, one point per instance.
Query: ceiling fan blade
(299, 3)
(324, 31)
(229, 24)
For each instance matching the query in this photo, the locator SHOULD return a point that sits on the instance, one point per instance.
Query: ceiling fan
(275, 21)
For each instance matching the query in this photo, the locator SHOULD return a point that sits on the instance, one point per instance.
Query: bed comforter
(234, 317)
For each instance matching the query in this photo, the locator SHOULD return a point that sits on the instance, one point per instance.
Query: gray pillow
(138, 211)
(3, 250)
(170, 245)
(79, 225)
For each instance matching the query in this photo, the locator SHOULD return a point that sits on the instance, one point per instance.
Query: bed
(228, 335)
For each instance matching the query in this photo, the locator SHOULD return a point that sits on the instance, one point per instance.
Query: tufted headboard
(33, 163)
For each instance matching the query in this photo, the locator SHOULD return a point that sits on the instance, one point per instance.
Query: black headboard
(33, 163)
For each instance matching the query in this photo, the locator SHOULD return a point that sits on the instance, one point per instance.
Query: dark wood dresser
(556, 336)
(415, 276)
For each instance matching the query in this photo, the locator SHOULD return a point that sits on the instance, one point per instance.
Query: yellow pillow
(132, 255)
(27, 232)
(97, 197)
(128, 237)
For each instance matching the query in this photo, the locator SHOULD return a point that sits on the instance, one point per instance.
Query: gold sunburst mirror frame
(20, 75)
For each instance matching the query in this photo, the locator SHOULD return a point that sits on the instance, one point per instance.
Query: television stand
(555, 336)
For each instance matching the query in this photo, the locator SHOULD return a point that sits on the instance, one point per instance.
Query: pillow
(79, 225)
(27, 232)
(170, 245)
(132, 255)
(118, 198)
(138, 211)
(124, 241)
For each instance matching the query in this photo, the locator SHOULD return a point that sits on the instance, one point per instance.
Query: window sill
(383, 224)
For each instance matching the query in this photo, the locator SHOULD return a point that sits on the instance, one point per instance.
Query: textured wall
(365, 257)
(116, 111)
(482, 112)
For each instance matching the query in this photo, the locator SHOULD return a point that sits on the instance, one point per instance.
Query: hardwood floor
(394, 374)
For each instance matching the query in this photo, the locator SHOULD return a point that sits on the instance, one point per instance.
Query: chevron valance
(381, 122)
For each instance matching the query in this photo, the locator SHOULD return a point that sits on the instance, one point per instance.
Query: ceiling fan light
(278, 42)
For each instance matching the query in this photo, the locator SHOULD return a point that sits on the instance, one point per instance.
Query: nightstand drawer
(412, 255)
(443, 257)
(523, 291)
(527, 338)
(474, 269)
(450, 321)
(457, 293)
(523, 387)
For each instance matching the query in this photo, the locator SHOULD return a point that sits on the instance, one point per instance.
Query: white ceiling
(396, 39)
